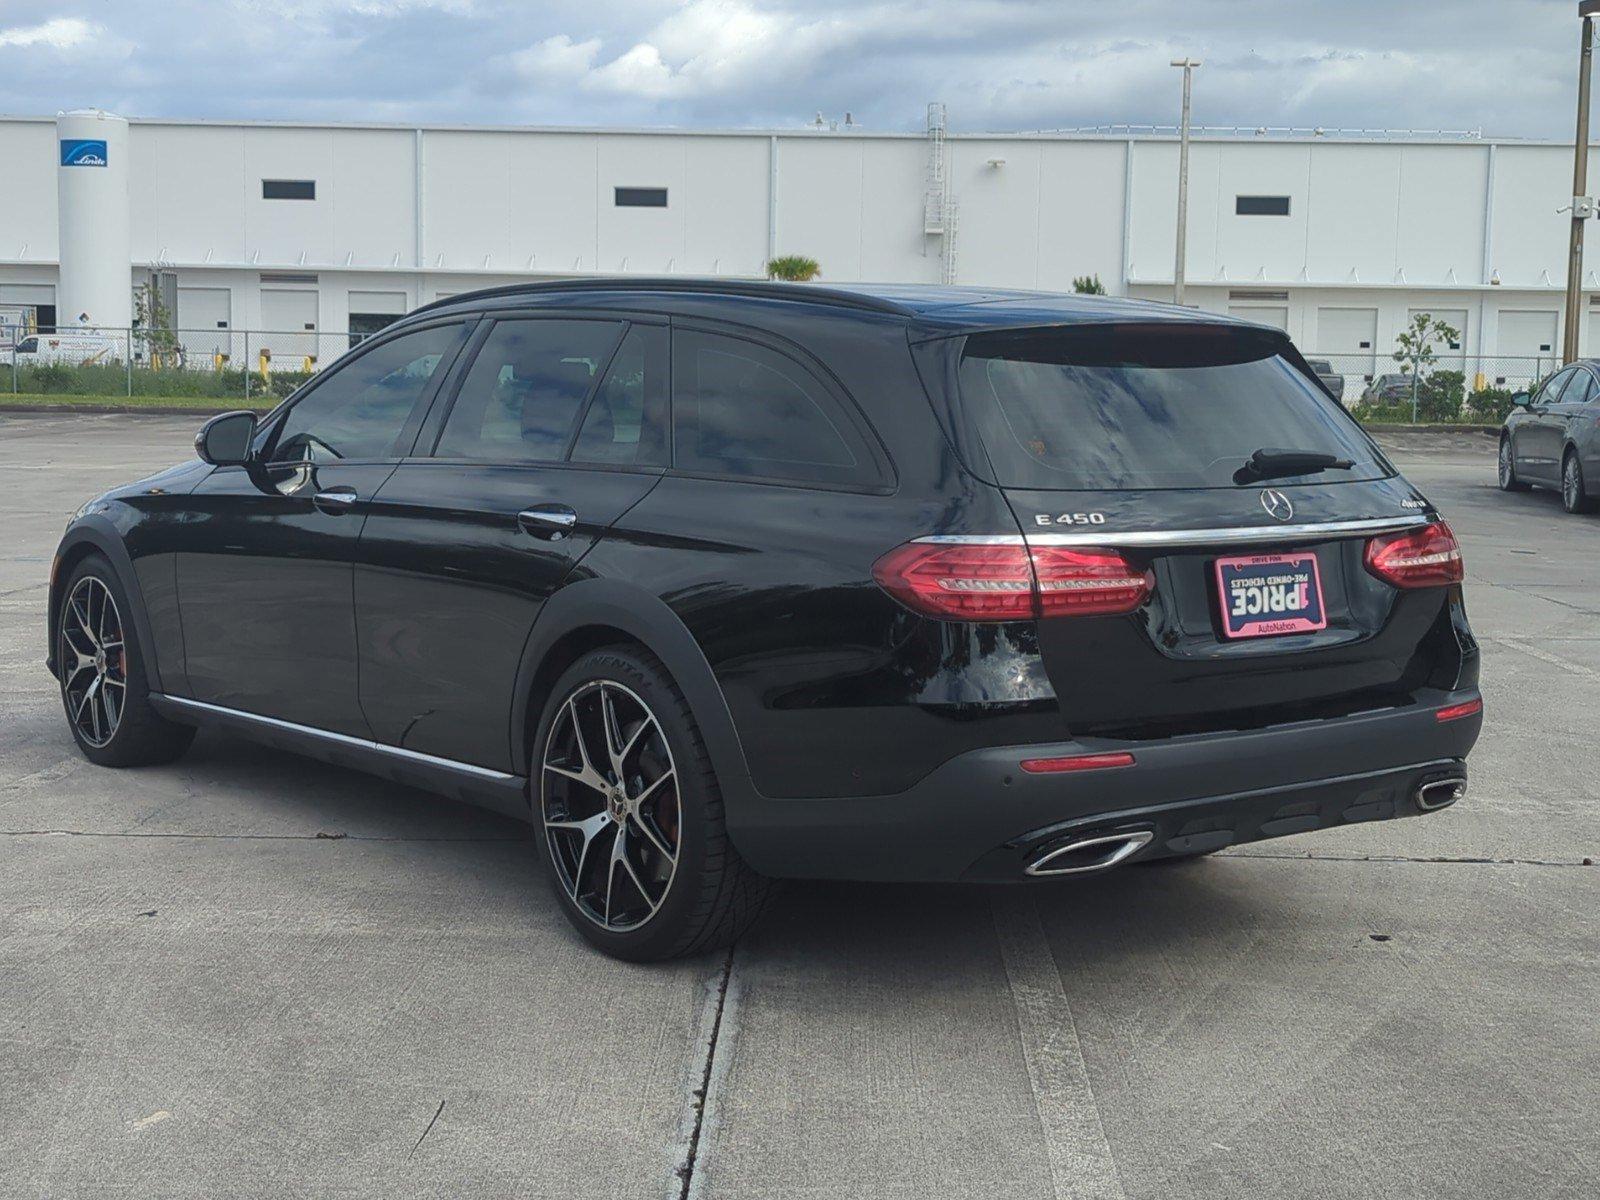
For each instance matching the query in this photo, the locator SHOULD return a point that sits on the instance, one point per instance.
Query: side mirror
(224, 441)
(1519, 399)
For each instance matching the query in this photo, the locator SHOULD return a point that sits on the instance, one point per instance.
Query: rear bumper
(980, 817)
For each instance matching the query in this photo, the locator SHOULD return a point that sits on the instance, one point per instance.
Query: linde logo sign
(82, 152)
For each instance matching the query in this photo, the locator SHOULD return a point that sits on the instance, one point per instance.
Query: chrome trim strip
(343, 739)
(1177, 538)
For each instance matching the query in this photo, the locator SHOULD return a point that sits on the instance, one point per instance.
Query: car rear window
(1147, 406)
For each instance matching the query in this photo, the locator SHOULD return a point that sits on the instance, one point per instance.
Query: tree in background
(794, 268)
(1088, 285)
(152, 326)
(1413, 349)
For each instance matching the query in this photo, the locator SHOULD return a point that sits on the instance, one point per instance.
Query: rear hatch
(1172, 447)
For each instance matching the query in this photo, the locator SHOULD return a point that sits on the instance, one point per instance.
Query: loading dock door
(1348, 339)
(1526, 347)
(204, 323)
(1262, 314)
(289, 324)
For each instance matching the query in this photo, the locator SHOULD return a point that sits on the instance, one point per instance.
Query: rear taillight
(1010, 581)
(1416, 558)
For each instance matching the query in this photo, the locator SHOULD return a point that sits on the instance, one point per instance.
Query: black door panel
(265, 586)
(447, 588)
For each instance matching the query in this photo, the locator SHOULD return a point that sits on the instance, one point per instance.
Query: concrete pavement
(252, 975)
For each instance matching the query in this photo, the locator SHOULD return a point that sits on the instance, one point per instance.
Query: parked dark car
(1387, 389)
(1327, 376)
(1552, 437)
(715, 583)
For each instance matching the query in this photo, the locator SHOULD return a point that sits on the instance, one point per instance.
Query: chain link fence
(258, 368)
(182, 366)
(1470, 389)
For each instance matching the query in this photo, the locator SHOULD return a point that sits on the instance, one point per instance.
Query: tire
(679, 887)
(1507, 469)
(1573, 496)
(100, 665)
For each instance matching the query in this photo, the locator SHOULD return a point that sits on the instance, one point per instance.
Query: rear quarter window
(740, 408)
(1146, 406)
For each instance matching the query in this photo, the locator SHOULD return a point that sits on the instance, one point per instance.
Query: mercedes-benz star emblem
(1276, 504)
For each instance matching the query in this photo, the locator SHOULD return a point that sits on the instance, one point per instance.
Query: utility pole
(1188, 65)
(1582, 203)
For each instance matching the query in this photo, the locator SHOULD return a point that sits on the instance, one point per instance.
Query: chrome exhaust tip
(1086, 854)
(1439, 793)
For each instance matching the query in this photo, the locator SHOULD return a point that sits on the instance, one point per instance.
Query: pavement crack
(691, 1143)
(429, 1129)
(1445, 859)
(320, 836)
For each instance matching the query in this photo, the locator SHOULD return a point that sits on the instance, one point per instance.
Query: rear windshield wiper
(1274, 464)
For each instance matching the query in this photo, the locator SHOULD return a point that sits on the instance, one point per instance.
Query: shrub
(1491, 405)
(1439, 396)
(794, 268)
(1088, 285)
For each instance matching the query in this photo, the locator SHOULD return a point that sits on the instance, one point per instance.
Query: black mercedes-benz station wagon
(716, 583)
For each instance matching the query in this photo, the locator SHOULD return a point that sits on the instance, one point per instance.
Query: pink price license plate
(1265, 594)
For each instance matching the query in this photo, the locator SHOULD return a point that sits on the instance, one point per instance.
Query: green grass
(67, 400)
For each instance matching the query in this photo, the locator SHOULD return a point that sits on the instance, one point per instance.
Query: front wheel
(100, 665)
(634, 834)
(1507, 471)
(1574, 495)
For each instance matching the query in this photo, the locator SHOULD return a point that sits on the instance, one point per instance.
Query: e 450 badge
(1083, 518)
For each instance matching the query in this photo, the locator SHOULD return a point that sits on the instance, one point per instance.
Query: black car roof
(933, 309)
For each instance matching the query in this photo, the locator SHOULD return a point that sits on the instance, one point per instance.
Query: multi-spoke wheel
(1506, 468)
(94, 678)
(1574, 495)
(611, 805)
(632, 814)
(102, 684)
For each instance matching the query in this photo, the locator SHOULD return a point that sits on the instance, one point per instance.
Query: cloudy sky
(1506, 66)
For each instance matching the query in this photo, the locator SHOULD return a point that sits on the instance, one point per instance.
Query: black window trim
(882, 464)
(426, 446)
(270, 425)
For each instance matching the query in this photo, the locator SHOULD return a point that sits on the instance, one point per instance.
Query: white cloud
(557, 58)
(60, 33)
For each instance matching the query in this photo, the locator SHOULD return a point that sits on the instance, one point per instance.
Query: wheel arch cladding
(89, 536)
(591, 613)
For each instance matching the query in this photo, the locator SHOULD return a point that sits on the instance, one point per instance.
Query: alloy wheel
(1505, 462)
(1571, 489)
(94, 679)
(612, 815)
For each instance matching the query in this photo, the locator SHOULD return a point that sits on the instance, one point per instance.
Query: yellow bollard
(266, 365)
(1478, 382)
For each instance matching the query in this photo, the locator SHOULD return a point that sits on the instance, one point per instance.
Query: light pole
(1582, 204)
(1188, 65)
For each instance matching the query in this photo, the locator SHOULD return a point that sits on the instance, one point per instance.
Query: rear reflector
(1416, 558)
(1076, 762)
(1010, 581)
(1456, 711)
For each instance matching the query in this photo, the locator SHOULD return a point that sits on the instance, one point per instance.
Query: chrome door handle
(553, 521)
(334, 502)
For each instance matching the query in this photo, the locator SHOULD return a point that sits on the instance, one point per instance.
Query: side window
(1583, 390)
(739, 408)
(626, 424)
(1550, 393)
(525, 388)
(360, 408)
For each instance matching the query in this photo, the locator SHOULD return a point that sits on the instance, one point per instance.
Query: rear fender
(644, 617)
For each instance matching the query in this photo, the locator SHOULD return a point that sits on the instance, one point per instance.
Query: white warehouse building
(307, 229)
